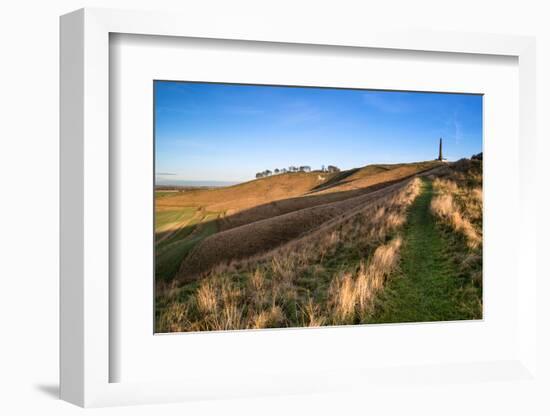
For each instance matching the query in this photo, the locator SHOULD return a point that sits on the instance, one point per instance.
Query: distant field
(165, 219)
(165, 193)
(309, 249)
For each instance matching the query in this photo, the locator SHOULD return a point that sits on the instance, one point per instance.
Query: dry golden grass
(207, 299)
(174, 318)
(443, 205)
(353, 295)
(342, 295)
(459, 205)
(267, 318)
(265, 290)
(312, 314)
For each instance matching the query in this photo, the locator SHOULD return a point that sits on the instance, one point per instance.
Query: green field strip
(163, 219)
(170, 253)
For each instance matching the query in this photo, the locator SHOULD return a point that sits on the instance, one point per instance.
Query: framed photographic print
(265, 211)
(284, 206)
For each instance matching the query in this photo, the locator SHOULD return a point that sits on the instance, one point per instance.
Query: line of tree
(293, 169)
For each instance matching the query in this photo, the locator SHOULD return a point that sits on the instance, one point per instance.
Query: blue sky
(227, 132)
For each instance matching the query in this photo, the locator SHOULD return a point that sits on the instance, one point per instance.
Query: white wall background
(29, 195)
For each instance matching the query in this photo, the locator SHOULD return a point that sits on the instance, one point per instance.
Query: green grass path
(428, 287)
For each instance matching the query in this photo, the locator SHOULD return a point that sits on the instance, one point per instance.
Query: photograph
(296, 206)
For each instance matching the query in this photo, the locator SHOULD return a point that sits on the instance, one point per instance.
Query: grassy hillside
(231, 199)
(306, 282)
(383, 243)
(260, 236)
(374, 174)
(256, 216)
(338, 187)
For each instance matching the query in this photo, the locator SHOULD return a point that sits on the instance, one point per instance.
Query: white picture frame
(86, 356)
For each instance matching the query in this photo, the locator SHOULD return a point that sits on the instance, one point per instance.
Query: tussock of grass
(328, 277)
(458, 204)
(312, 314)
(353, 295)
